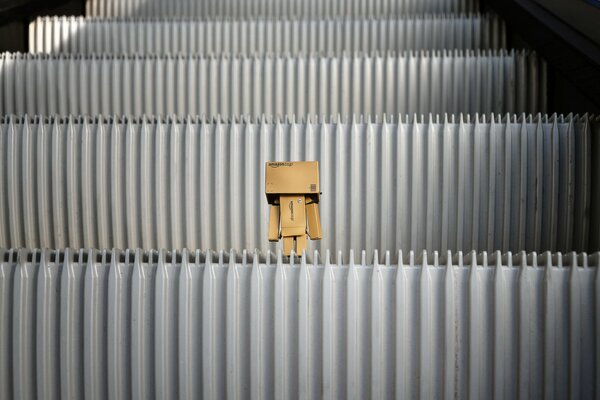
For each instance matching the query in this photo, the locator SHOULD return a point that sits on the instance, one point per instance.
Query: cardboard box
(300, 177)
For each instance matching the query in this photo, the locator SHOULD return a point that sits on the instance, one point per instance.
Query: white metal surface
(438, 184)
(273, 8)
(412, 82)
(164, 36)
(210, 325)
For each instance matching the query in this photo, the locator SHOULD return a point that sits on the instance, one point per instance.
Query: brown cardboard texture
(313, 221)
(293, 216)
(274, 224)
(300, 177)
(292, 190)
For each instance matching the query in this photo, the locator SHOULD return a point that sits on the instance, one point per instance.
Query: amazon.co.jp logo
(292, 210)
(280, 164)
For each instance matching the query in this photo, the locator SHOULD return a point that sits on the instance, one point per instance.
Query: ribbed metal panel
(437, 185)
(429, 32)
(273, 8)
(422, 82)
(214, 325)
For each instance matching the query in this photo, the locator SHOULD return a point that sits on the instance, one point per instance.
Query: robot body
(292, 191)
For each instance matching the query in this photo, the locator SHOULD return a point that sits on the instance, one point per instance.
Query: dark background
(16, 14)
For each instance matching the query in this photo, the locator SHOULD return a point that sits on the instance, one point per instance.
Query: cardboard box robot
(293, 192)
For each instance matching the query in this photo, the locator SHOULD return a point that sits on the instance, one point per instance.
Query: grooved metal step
(164, 36)
(411, 82)
(89, 324)
(441, 184)
(273, 8)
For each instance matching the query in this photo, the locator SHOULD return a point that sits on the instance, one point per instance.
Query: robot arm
(274, 234)
(314, 221)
